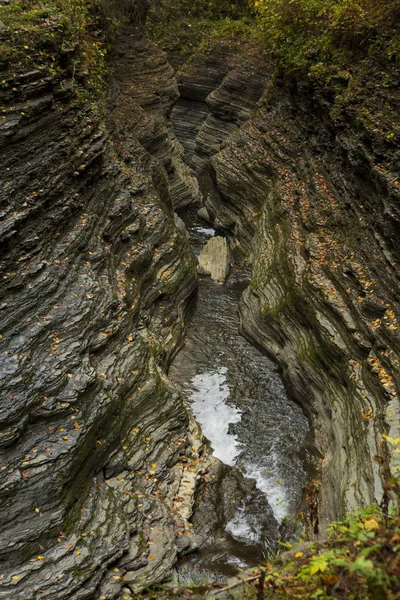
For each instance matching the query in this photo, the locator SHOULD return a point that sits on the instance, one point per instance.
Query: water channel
(237, 395)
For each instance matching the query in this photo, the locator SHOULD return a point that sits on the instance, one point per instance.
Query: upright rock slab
(215, 259)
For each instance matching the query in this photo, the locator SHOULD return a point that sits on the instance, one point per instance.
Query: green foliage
(184, 25)
(300, 33)
(55, 36)
(170, 11)
(356, 552)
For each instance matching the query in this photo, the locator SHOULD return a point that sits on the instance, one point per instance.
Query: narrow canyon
(156, 424)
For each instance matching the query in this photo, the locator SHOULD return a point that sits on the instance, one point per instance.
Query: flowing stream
(237, 396)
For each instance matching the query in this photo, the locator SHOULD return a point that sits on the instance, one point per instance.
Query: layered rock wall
(219, 90)
(310, 198)
(95, 281)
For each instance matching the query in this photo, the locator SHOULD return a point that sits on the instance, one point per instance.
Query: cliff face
(95, 281)
(308, 193)
(219, 90)
(149, 91)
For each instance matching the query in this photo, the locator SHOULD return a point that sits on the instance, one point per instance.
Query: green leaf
(318, 563)
(317, 594)
(362, 565)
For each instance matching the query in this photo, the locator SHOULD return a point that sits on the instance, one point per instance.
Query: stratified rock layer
(150, 89)
(311, 199)
(95, 280)
(219, 90)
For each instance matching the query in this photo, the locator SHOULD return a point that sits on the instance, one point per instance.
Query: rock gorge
(307, 193)
(97, 281)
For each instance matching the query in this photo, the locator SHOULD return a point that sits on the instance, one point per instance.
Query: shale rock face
(311, 198)
(150, 90)
(219, 90)
(95, 280)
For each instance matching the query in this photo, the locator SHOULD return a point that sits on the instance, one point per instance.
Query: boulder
(202, 213)
(180, 225)
(215, 259)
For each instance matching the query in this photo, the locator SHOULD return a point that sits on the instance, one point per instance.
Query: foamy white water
(208, 404)
(205, 231)
(244, 528)
(269, 483)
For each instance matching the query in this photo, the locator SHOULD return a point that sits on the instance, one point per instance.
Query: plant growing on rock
(304, 32)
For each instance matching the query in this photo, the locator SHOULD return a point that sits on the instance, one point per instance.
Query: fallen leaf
(371, 524)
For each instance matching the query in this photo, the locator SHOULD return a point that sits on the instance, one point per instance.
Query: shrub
(302, 31)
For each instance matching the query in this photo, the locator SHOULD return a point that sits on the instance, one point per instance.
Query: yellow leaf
(298, 554)
(153, 465)
(371, 524)
(37, 510)
(152, 557)
(40, 557)
(65, 438)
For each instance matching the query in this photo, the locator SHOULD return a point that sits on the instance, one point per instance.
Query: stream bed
(237, 396)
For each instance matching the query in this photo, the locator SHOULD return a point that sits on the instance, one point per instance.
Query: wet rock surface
(219, 90)
(307, 194)
(303, 198)
(102, 471)
(149, 86)
(95, 281)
